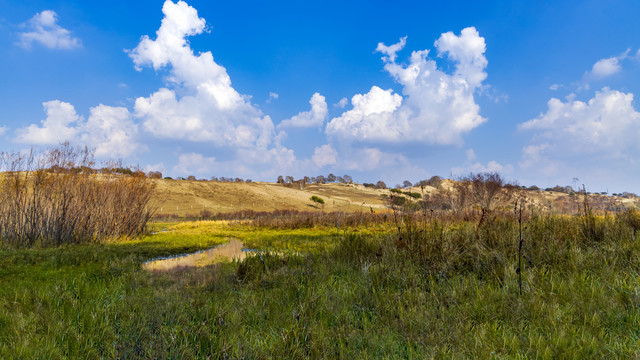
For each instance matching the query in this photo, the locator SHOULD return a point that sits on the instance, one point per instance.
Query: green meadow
(407, 288)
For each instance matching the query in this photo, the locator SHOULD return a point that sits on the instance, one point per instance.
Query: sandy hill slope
(184, 197)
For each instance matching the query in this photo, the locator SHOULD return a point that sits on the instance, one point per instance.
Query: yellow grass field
(184, 197)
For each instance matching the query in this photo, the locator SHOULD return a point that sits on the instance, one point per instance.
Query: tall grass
(54, 197)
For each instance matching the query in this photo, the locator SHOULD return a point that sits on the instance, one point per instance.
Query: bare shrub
(55, 197)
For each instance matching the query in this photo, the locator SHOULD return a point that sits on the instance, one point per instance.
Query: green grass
(442, 291)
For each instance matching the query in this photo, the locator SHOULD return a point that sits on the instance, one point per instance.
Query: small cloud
(3, 129)
(606, 67)
(43, 29)
(342, 103)
(311, 118)
(59, 125)
(123, 85)
(555, 87)
(272, 96)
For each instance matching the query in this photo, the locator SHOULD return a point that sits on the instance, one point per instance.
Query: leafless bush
(55, 197)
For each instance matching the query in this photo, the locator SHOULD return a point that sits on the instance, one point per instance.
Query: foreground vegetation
(408, 287)
(56, 196)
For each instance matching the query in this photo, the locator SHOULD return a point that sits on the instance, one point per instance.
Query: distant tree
(238, 180)
(168, 178)
(314, 180)
(280, 180)
(368, 185)
(155, 175)
(289, 179)
(406, 184)
(248, 181)
(213, 178)
(331, 178)
(320, 179)
(191, 177)
(340, 179)
(381, 185)
(318, 200)
(347, 179)
(306, 180)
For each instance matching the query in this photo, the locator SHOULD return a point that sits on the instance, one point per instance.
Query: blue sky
(542, 93)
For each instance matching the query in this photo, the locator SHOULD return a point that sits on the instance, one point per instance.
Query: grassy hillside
(184, 197)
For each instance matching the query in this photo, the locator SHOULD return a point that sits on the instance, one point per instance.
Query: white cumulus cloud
(312, 118)
(110, 130)
(324, 155)
(209, 108)
(43, 28)
(606, 124)
(435, 107)
(606, 67)
(59, 125)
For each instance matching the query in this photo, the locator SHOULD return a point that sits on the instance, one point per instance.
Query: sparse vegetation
(55, 198)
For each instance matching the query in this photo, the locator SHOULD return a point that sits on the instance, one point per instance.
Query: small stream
(227, 251)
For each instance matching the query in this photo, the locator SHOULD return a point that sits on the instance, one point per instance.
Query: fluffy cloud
(211, 109)
(324, 155)
(436, 107)
(59, 125)
(607, 125)
(371, 118)
(43, 29)
(3, 129)
(605, 67)
(110, 130)
(312, 118)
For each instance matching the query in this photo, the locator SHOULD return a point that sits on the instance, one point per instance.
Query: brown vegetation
(55, 197)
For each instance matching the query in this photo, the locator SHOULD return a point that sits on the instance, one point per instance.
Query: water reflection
(225, 252)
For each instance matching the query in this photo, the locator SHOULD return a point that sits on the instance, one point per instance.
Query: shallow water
(225, 252)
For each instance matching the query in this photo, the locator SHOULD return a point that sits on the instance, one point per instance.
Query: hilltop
(191, 197)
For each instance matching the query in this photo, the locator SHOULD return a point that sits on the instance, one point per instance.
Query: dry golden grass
(184, 197)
